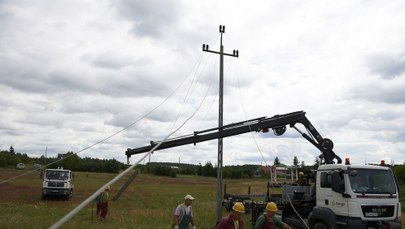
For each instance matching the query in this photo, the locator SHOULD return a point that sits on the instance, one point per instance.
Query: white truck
(57, 183)
(343, 196)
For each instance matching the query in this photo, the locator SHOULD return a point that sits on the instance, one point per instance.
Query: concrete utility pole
(220, 117)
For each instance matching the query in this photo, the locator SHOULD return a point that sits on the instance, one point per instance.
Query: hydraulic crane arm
(277, 123)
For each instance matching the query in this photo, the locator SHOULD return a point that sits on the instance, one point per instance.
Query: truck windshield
(372, 181)
(57, 175)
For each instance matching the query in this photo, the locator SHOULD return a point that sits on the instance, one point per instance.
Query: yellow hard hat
(238, 207)
(301, 174)
(272, 207)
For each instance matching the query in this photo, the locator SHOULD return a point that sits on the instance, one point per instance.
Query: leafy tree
(187, 171)
(12, 150)
(236, 174)
(159, 170)
(8, 159)
(295, 162)
(400, 173)
(71, 161)
(22, 157)
(112, 166)
(68, 160)
(276, 161)
(199, 170)
(3, 161)
(208, 170)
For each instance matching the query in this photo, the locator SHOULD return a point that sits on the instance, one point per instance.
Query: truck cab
(356, 196)
(57, 183)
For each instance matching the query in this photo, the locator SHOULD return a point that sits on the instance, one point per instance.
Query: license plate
(371, 214)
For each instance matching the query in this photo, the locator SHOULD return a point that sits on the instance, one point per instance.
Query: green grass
(149, 201)
(402, 198)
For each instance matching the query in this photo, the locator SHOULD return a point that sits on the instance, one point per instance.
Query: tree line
(73, 162)
(238, 171)
(67, 160)
(209, 170)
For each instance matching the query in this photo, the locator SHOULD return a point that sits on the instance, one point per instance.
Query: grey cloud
(66, 81)
(25, 74)
(378, 92)
(23, 79)
(150, 18)
(137, 86)
(113, 60)
(4, 17)
(386, 65)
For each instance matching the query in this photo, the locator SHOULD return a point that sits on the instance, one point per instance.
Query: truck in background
(57, 183)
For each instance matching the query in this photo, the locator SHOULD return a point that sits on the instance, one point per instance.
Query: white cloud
(72, 74)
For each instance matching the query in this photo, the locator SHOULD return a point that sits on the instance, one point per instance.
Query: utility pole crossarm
(235, 53)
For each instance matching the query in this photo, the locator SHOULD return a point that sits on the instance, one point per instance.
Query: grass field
(148, 202)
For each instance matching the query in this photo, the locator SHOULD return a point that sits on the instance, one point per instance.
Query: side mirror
(338, 184)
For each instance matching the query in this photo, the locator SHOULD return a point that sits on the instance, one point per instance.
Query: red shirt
(227, 223)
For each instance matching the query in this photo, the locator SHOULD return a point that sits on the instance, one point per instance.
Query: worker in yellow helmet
(301, 179)
(269, 220)
(234, 219)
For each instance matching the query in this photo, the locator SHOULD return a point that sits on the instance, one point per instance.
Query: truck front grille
(55, 184)
(375, 211)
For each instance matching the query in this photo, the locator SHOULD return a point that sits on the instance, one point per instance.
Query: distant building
(279, 174)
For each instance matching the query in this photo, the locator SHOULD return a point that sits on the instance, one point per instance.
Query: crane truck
(342, 196)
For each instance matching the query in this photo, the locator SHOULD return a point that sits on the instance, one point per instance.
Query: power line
(108, 137)
(91, 198)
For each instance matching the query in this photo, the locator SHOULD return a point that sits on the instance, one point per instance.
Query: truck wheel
(320, 225)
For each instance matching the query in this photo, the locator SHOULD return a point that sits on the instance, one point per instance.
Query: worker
(269, 219)
(234, 219)
(105, 198)
(301, 179)
(183, 214)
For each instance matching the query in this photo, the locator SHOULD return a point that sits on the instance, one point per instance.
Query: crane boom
(277, 123)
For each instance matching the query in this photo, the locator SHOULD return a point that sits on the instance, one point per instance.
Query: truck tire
(320, 225)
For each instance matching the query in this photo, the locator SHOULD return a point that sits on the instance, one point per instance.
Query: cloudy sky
(73, 74)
